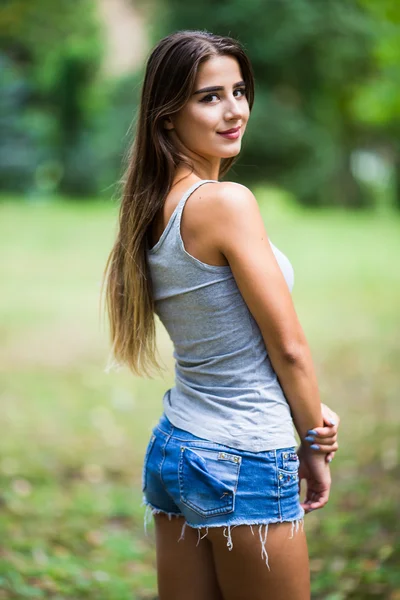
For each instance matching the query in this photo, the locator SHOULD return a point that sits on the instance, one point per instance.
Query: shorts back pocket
(208, 480)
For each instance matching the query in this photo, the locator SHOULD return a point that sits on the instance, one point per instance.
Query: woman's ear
(168, 123)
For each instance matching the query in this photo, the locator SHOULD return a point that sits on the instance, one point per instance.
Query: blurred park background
(321, 153)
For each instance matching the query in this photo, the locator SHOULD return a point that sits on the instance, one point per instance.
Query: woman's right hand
(315, 470)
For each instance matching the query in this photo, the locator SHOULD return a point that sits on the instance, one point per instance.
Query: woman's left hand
(325, 437)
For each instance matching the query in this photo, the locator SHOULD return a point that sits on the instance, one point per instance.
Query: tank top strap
(185, 197)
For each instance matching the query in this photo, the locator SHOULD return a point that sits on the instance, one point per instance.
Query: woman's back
(225, 387)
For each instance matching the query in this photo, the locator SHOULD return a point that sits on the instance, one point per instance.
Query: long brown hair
(151, 162)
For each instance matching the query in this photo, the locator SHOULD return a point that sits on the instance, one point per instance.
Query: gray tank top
(226, 389)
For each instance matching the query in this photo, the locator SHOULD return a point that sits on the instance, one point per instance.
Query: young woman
(194, 250)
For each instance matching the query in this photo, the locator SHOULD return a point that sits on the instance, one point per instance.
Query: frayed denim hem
(151, 510)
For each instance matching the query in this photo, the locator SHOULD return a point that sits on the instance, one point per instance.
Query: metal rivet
(285, 455)
(280, 476)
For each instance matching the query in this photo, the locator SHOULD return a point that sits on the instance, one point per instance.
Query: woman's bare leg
(242, 573)
(185, 570)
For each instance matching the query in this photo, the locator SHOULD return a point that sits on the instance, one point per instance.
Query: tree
(51, 53)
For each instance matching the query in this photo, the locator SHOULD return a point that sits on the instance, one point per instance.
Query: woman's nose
(233, 110)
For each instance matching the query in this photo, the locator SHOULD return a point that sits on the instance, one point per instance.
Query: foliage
(51, 53)
(377, 102)
(376, 105)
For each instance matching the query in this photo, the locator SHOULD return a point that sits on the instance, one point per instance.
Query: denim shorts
(213, 485)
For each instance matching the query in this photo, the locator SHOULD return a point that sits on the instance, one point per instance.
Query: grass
(73, 436)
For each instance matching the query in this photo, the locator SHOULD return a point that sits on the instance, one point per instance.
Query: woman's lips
(231, 134)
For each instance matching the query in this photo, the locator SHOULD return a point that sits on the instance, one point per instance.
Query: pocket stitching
(287, 472)
(228, 507)
(285, 462)
(284, 482)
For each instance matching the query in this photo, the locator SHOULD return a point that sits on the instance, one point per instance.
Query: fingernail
(309, 438)
(312, 432)
(330, 459)
(332, 422)
(314, 446)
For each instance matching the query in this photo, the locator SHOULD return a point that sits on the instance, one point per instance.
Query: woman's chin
(229, 152)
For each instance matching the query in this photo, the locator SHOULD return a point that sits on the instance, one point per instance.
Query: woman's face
(217, 105)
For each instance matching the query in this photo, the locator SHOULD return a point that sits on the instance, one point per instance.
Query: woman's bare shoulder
(231, 190)
(222, 196)
(217, 211)
(225, 215)
(228, 199)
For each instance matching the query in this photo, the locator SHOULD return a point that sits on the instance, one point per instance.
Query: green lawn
(73, 437)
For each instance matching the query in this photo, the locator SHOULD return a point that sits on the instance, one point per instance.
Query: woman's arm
(237, 229)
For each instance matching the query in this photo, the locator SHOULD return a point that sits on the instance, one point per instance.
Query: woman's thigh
(185, 568)
(242, 572)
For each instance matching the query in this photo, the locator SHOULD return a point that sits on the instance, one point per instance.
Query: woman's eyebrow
(217, 88)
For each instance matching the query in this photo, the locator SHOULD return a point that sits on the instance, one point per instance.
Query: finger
(329, 457)
(311, 497)
(330, 418)
(327, 441)
(308, 509)
(320, 502)
(307, 506)
(323, 448)
(314, 505)
(324, 431)
(329, 415)
(334, 417)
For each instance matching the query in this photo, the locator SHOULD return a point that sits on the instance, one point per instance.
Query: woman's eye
(209, 97)
(241, 90)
